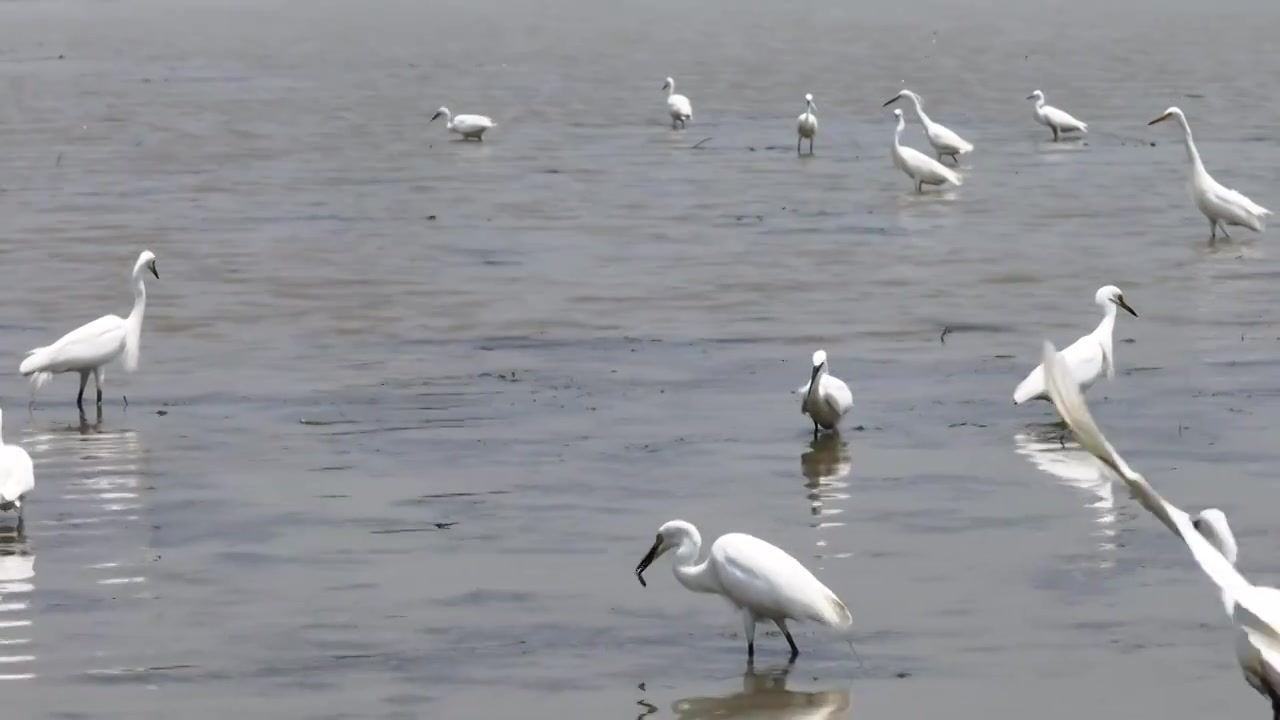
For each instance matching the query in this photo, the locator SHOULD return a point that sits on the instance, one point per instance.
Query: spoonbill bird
(943, 140)
(678, 106)
(470, 127)
(89, 347)
(1254, 610)
(1222, 205)
(759, 579)
(1088, 358)
(921, 168)
(1059, 121)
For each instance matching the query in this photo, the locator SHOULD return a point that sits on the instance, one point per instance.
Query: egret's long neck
(671, 88)
(808, 106)
(692, 574)
(816, 382)
(897, 133)
(1193, 155)
(139, 299)
(915, 99)
(1105, 328)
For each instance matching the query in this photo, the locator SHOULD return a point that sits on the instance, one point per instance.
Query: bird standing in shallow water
(921, 168)
(1088, 358)
(470, 127)
(17, 477)
(759, 579)
(88, 348)
(827, 398)
(1059, 121)
(943, 140)
(678, 106)
(807, 124)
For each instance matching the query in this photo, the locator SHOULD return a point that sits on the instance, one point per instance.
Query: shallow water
(410, 410)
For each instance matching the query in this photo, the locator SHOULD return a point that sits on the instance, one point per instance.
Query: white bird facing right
(678, 106)
(921, 168)
(762, 581)
(89, 347)
(470, 127)
(807, 124)
(1059, 121)
(17, 476)
(1254, 610)
(943, 140)
(1222, 205)
(1088, 358)
(826, 397)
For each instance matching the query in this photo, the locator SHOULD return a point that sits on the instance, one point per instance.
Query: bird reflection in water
(824, 465)
(1054, 453)
(17, 581)
(765, 696)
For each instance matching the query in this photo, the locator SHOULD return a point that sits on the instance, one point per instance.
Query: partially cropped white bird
(470, 127)
(921, 168)
(826, 397)
(943, 140)
(1254, 610)
(1222, 205)
(678, 106)
(17, 477)
(807, 124)
(762, 581)
(88, 348)
(1088, 358)
(1059, 121)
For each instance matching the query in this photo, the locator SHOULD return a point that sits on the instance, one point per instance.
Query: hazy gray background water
(427, 401)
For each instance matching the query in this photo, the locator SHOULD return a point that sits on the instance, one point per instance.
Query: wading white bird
(17, 477)
(763, 582)
(807, 124)
(921, 168)
(1254, 610)
(826, 397)
(1088, 358)
(89, 347)
(1222, 205)
(678, 106)
(1059, 121)
(944, 141)
(470, 127)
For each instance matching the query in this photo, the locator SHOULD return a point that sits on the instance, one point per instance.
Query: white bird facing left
(678, 106)
(470, 127)
(1059, 121)
(17, 477)
(807, 124)
(921, 168)
(943, 140)
(1254, 610)
(827, 398)
(1088, 358)
(1222, 205)
(88, 348)
(762, 581)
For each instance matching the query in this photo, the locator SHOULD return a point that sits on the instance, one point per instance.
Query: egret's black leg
(795, 651)
(84, 380)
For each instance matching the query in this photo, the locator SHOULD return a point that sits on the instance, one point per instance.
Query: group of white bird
(86, 351)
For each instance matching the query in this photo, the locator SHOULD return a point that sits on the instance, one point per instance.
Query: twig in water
(943, 337)
(695, 147)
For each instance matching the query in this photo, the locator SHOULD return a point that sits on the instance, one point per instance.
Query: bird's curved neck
(694, 575)
(915, 100)
(808, 106)
(1193, 155)
(671, 88)
(897, 133)
(1108, 324)
(139, 299)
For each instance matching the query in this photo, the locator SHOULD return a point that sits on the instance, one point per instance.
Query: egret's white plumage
(1254, 610)
(1221, 205)
(1088, 358)
(678, 106)
(943, 140)
(763, 582)
(921, 168)
(807, 124)
(89, 347)
(17, 476)
(826, 397)
(470, 127)
(1059, 121)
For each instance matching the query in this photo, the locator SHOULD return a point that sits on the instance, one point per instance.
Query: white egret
(762, 581)
(826, 397)
(943, 140)
(1254, 610)
(678, 106)
(17, 477)
(1059, 121)
(921, 168)
(470, 127)
(1222, 205)
(807, 124)
(1089, 358)
(89, 347)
